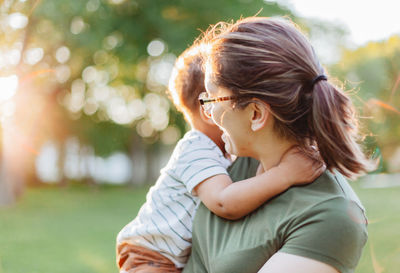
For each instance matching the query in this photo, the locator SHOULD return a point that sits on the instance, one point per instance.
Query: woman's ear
(259, 114)
(204, 117)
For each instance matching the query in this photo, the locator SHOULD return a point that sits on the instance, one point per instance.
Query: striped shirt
(164, 222)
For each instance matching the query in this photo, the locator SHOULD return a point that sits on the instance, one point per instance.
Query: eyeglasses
(207, 103)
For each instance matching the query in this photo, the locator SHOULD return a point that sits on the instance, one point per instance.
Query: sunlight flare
(9, 86)
(384, 105)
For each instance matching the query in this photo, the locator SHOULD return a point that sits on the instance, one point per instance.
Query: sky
(366, 20)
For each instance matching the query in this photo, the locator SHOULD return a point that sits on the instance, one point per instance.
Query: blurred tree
(374, 72)
(97, 69)
(121, 53)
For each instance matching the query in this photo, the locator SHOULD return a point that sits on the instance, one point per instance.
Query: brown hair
(187, 81)
(270, 59)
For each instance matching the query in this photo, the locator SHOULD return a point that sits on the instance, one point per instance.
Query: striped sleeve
(200, 159)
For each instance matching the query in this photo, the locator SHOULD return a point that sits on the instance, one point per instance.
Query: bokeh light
(62, 54)
(156, 48)
(33, 55)
(92, 5)
(77, 25)
(9, 86)
(17, 20)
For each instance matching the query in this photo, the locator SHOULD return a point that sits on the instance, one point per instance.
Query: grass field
(57, 230)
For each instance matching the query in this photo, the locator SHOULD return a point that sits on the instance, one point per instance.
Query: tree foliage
(373, 71)
(109, 50)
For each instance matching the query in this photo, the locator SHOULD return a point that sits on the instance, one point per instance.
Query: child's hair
(187, 81)
(270, 59)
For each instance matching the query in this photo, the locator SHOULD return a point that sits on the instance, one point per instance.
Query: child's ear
(204, 117)
(259, 114)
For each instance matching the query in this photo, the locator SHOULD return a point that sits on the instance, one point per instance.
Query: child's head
(187, 82)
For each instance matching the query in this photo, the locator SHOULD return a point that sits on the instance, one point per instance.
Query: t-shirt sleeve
(199, 160)
(333, 232)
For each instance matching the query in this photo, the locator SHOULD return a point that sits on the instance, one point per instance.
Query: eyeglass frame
(203, 102)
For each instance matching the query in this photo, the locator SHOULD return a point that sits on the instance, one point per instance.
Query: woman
(267, 92)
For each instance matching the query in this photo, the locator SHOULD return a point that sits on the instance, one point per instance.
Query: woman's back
(318, 221)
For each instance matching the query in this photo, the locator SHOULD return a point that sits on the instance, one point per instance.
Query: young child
(159, 238)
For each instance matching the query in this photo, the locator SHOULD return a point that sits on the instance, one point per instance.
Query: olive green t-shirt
(323, 221)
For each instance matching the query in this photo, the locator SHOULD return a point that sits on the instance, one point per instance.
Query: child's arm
(235, 200)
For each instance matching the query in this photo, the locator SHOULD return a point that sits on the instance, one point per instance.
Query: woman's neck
(270, 153)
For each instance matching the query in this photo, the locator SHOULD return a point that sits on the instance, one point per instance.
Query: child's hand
(297, 167)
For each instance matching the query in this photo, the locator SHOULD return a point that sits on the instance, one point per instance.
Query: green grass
(382, 252)
(57, 230)
(65, 229)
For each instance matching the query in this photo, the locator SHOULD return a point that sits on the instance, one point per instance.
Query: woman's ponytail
(335, 128)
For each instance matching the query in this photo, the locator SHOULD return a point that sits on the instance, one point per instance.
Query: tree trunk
(6, 191)
(138, 157)
(152, 162)
(12, 165)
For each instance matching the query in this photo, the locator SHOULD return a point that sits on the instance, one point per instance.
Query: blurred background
(85, 125)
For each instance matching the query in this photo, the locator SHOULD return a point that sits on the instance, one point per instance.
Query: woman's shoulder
(329, 186)
(326, 222)
(330, 195)
(333, 232)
